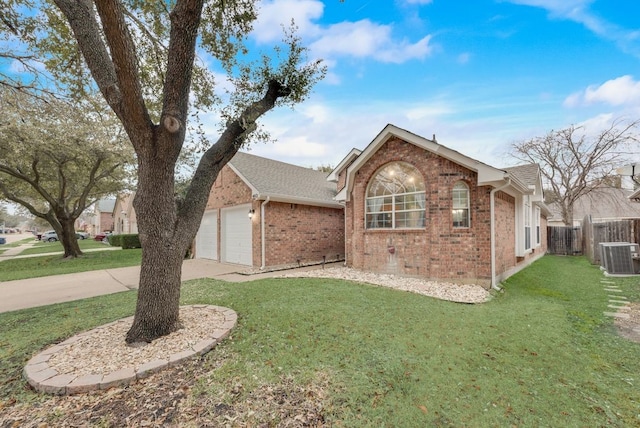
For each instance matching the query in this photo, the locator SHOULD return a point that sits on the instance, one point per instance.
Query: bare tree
(574, 163)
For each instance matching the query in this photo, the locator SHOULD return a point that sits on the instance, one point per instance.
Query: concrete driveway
(29, 293)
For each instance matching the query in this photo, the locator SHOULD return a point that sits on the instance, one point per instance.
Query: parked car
(52, 236)
(49, 236)
(102, 236)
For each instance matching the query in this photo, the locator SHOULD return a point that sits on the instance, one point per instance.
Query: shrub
(115, 240)
(130, 241)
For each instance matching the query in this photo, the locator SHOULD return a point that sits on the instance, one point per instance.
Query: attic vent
(618, 257)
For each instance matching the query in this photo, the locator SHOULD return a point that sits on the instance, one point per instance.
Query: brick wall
(294, 232)
(228, 190)
(302, 233)
(106, 221)
(438, 251)
(505, 232)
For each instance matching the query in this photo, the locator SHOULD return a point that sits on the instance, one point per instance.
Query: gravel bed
(462, 293)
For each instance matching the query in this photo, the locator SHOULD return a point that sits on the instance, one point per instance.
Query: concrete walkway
(29, 293)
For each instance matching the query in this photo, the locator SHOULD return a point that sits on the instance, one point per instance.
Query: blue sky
(478, 74)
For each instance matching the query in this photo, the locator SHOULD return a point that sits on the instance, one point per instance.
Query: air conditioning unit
(618, 257)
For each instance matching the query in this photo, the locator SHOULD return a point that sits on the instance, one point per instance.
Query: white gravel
(463, 293)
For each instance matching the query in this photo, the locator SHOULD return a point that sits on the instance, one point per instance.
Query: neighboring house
(604, 203)
(264, 213)
(124, 216)
(103, 216)
(417, 208)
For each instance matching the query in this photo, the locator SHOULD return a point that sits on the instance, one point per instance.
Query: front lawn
(539, 354)
(43, 247)
(33, 267)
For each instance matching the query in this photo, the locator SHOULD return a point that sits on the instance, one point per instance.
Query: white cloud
(557, 7)
(273, 14)
(429, 111)
(621, 91)
(363, 39)
(360, 39)
(578, 11)
(318, 113)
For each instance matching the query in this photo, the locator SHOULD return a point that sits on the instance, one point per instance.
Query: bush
(130, 241)
(115, 240)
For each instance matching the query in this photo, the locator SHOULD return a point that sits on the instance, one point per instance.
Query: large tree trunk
(163, 250)
(157, 309)
(68, 238)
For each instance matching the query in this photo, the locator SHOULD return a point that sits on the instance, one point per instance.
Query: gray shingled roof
(527, 174)
(271, 178)
(106, 205)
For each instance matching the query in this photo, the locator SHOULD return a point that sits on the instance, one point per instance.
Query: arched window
(460, 208)
(396, 198)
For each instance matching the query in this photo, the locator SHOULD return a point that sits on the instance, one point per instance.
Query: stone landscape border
(45, 379)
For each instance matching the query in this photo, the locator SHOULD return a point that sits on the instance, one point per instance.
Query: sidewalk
(34, 292)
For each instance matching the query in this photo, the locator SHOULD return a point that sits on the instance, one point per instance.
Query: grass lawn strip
(337, 353)
(34, 267)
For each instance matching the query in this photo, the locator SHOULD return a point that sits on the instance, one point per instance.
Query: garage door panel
(236, 239)
(207, 237)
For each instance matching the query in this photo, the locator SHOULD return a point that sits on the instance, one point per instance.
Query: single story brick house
(103, 216)
(124, 216)
(265, 213)
(415, 207)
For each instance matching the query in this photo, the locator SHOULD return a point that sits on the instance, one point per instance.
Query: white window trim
(468, 207)
(393, 211)
(527, 223)
(538, 230)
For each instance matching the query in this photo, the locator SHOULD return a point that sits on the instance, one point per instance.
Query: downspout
(492, 199)
(345, 234)
(263, 240)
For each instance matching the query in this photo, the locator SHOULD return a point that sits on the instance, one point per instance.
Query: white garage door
(207, 237)
(236, 235)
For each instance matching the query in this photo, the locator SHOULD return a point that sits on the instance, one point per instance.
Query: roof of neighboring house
(283, 182)
(603, 203)
(105, 205)
(528, 174)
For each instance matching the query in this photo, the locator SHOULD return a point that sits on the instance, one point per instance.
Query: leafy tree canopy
(58, 159)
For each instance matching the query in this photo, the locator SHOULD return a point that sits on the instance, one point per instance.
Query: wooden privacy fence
(564, 240)
(610, 231)
(586, 240)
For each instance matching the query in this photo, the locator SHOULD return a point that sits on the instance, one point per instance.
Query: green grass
(539, 354)
(22, 241)
(53, 247)
(33, 267)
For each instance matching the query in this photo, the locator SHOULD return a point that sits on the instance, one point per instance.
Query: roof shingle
(274, 178)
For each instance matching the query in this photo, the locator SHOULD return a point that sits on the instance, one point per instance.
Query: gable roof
(283, 182)
(528, 174)
(105, 205)
(487, 175)
(353, 155)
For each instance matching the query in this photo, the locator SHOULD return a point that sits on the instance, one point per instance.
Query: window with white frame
(536, 221)
(396, 198)
(460, 205)
(527, 223)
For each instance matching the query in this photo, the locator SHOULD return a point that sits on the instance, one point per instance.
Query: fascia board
(294, 200)
(354, 153)
(543, 208)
